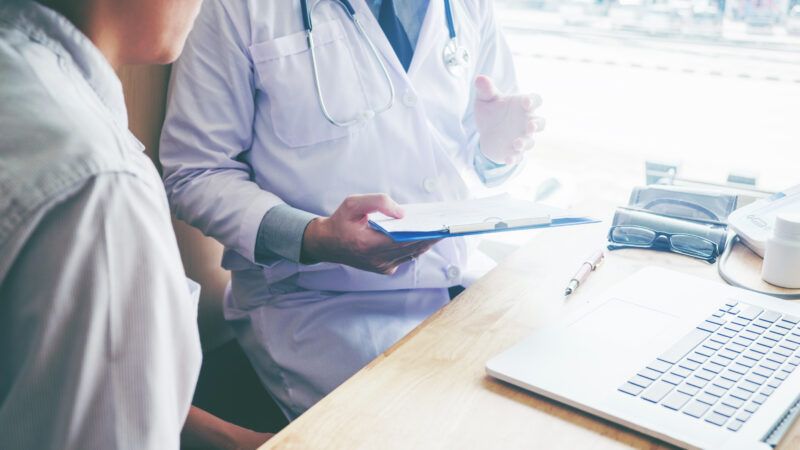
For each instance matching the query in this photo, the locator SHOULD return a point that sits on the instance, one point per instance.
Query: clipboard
(497, 214)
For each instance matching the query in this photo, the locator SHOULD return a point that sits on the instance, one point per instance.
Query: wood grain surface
(430, 390)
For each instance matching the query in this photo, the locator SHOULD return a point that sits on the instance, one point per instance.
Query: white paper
(441, 216)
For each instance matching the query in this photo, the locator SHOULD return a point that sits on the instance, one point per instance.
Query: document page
(468, 215)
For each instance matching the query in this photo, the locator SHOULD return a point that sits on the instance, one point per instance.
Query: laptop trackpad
(623, 324)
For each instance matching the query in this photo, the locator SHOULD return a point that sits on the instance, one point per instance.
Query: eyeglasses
(625, 236)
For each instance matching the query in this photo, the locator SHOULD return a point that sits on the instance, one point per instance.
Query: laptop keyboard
(723, 370)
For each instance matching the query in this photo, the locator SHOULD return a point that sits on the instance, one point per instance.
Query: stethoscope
(454, 56)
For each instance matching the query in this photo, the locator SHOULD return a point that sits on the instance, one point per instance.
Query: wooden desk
(430, 389)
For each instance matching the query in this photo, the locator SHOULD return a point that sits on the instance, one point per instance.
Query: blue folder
(407, 236)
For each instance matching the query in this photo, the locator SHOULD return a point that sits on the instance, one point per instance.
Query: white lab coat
(244, 132)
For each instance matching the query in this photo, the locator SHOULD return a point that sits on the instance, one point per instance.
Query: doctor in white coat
(269, 159)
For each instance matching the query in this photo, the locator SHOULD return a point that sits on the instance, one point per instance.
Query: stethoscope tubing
(448, 14)
(308, 25)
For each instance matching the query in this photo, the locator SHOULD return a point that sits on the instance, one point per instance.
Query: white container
(782, 253)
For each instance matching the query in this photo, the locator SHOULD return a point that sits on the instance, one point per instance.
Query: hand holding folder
(467, 217)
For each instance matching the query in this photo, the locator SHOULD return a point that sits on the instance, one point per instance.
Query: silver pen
(583, 272)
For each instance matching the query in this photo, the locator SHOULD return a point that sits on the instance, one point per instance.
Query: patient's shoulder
(54, 136)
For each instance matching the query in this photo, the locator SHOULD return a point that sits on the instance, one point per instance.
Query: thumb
(485, 89)
(358, 206)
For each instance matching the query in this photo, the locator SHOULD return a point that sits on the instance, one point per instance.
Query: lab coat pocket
(286, 76)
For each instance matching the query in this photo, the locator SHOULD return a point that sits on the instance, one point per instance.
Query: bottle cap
(787, 226)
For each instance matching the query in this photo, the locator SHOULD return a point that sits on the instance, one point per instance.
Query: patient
(99, 346)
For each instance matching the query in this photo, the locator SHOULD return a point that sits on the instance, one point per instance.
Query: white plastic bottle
(782, 256)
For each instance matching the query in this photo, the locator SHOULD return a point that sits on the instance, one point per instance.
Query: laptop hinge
(782, 425)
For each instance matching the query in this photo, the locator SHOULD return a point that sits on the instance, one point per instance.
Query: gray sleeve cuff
(281, 233)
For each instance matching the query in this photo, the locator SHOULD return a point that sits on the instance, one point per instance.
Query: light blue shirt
(281, 230)
(411, 14)
(95, 311)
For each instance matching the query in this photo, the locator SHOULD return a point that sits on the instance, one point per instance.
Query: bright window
(713, 86)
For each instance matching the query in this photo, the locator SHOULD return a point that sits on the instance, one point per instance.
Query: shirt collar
(51, 29)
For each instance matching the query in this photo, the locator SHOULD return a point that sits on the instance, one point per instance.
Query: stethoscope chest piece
(456, 58)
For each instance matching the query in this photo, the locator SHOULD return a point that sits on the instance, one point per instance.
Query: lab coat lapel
(430, 34)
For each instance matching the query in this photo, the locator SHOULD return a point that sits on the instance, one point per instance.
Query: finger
(421, 251)
(423, 243)
(530, 102)
(523, 144)
(387, 245)
(397, 253)
(402, 261)
(515, 156)
(518, 144)
(409, 246)
(358, 206)
(377, 241)
(485, 89)
(384, 270)
(389, 250)
(421, 248)
(535, 125)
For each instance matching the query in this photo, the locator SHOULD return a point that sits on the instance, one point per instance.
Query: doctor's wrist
(486, 162)
(314, 237)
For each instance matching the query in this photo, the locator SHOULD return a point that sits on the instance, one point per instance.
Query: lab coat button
(410, 99)
(453, 272)
(429, 184)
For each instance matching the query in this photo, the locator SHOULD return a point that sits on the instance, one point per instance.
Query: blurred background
(705, 90)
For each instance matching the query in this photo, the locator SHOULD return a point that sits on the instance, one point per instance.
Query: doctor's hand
(346, 237)
(506, 123)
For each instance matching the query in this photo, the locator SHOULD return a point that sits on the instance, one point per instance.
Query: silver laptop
(692, 362)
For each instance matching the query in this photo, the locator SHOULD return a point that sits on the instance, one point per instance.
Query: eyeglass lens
(637, 236)
(682, 243)
(693, 245)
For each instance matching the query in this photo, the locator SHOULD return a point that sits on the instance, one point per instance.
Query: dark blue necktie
(395, 33)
